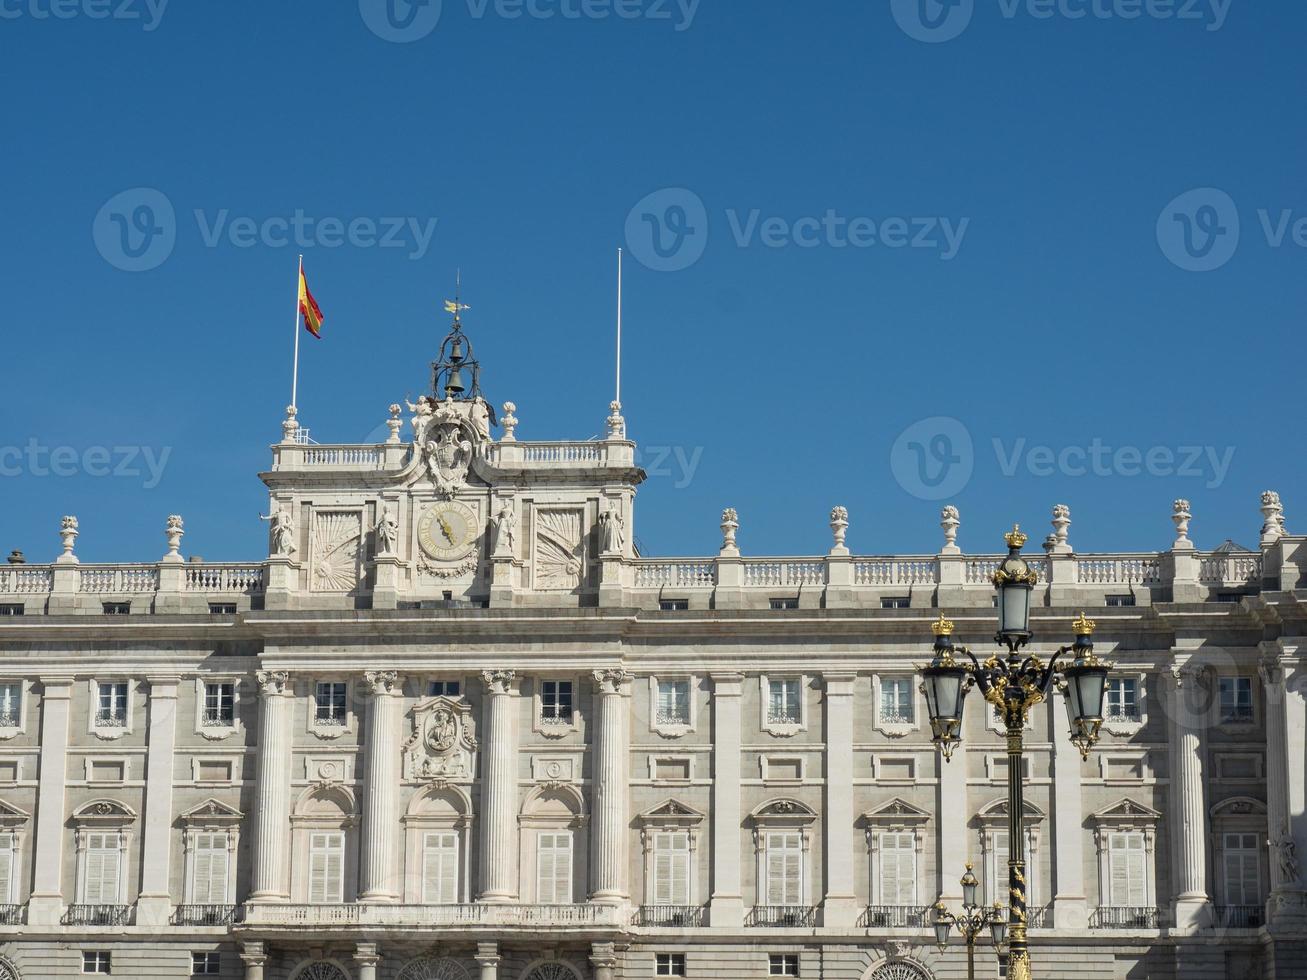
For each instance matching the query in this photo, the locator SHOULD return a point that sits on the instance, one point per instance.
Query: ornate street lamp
(1014, 684)
(971, 923)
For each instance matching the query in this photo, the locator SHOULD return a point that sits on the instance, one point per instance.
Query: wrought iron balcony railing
(11, 915)
(783, 916)
(110, 718)
(98, 915)
(1040, 918)
(207, 915)
(1124, 917)
(893, 917)
(1241, 916)
(218, 718)
(671, 916)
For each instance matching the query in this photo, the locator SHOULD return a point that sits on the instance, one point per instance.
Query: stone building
(455, 727)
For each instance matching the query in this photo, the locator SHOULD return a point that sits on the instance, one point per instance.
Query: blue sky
(888, 235)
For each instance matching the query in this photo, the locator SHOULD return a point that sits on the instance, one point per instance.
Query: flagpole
(619, 327)
(295, 370)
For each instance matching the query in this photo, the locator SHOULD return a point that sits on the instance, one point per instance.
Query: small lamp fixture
(998, 926)
(1014, 580)
(969, 888)
(944, 685)
(1086, 686)
(943, 925)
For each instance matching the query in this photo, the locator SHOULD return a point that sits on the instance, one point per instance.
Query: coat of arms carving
(443, 741)
(447, 443)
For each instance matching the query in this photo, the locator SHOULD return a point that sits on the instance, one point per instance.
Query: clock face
(448, 530)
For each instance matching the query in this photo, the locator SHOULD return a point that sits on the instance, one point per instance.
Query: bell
(456, 353)
(454, 383)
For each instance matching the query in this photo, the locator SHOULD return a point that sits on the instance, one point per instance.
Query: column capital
(603, 956)
(163, 685)
(839, 683)
(380, 683)
(253, 954)
(727, 685)
(487, 954)
(499, 681)
(57, 685)
(273, 683)
(367, 954)
(611, 679)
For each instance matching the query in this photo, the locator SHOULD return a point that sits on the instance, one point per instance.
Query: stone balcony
(474, 917)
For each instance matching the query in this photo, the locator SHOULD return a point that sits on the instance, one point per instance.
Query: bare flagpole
(295, 370)
(619, 328)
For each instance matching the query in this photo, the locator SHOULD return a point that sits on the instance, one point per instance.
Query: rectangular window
(111, 706)
(669, 965)
(784, 603)
(554, 868)
(444, 689)
(1127, 870)
(783, 965)
(784, 866)
(222, 609)
(1122, 701)
(103, 869)
(673, 703)
(1236, 699)
(556, 702)
(206, 964)
(896, 701)
(1120, 600)
(783, 705)
(219, 705)
(11, 705)
(117, 608)
(209, 869)
(440, 868)
(96, 961)
(1241, 860)
(673, 605)
(330, 703)
(671, 859)
(327, 867)
(8, 864)
(895, 602)
(898, 869)
(11, 608)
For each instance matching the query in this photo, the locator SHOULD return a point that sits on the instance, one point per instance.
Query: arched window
(8, 971)
(103, 831)
(552, 971)
(322, 838)
(899, 971)
(431, 968)
(321, 970)
(554, 846)
(437, 838)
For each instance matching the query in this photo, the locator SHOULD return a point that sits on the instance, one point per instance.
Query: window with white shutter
(8, 861)
(326, 867)
(103, 857)
(671, 868)
(1242, 863)
(898, 869)
(554, 867)
(440, 867)
(209, 869)
(784, 856)
(1127, 870)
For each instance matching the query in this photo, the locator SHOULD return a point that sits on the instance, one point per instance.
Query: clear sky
(888, 254)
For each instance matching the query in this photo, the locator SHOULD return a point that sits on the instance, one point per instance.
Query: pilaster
(726, 907)
(385, 588)
(953, 841)
(1070, 904)
(154, 904)
(379, 879)
(1282, 672)
(46, 904)
(272, 791)
(499, 790)
(839, 904)
(611, 790)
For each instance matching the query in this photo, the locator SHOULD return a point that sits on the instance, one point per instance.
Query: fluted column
(487, 957)
(499, 790)
(1286, 813)
(603, 957)
(254, 958)
(611, 791)
(1189, 818)
(272, 792)
(727, 905)
(839, 904)
(379, 880)
(46, 905)
(155, 903)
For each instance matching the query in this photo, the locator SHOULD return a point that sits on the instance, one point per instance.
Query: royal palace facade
(455, 727)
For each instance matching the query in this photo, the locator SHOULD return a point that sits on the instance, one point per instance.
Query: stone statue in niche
(442, 742)
(505, 531)
(387, 532)
(612, 532)
(283, 531)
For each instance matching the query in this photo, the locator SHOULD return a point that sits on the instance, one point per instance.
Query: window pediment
(1238, 807)
(1126, 813)
(783, 813)
(11, 816)
(109, 813)
(896, 813)
(671, 813)
(211, 813)
(996, 813)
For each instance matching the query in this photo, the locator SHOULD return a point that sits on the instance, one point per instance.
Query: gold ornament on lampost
(1015, 538)
(1082, 626)
(942, 626)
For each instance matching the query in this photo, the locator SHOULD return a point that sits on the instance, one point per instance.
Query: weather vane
(454, 306)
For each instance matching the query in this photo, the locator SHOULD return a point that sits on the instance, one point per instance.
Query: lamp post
(1014, 683)
(971, 923)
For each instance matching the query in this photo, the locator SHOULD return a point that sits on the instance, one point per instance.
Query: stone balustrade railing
(409, 916)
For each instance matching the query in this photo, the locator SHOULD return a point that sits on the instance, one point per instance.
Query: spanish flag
(309, 307)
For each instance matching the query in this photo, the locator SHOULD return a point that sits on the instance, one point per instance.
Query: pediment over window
(671, 813)
(896, 813)
(1126, 812)
(783, 813)
(997, 812)
(1238, 807)
(211, 813)
(104, 813)
(11, 816)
